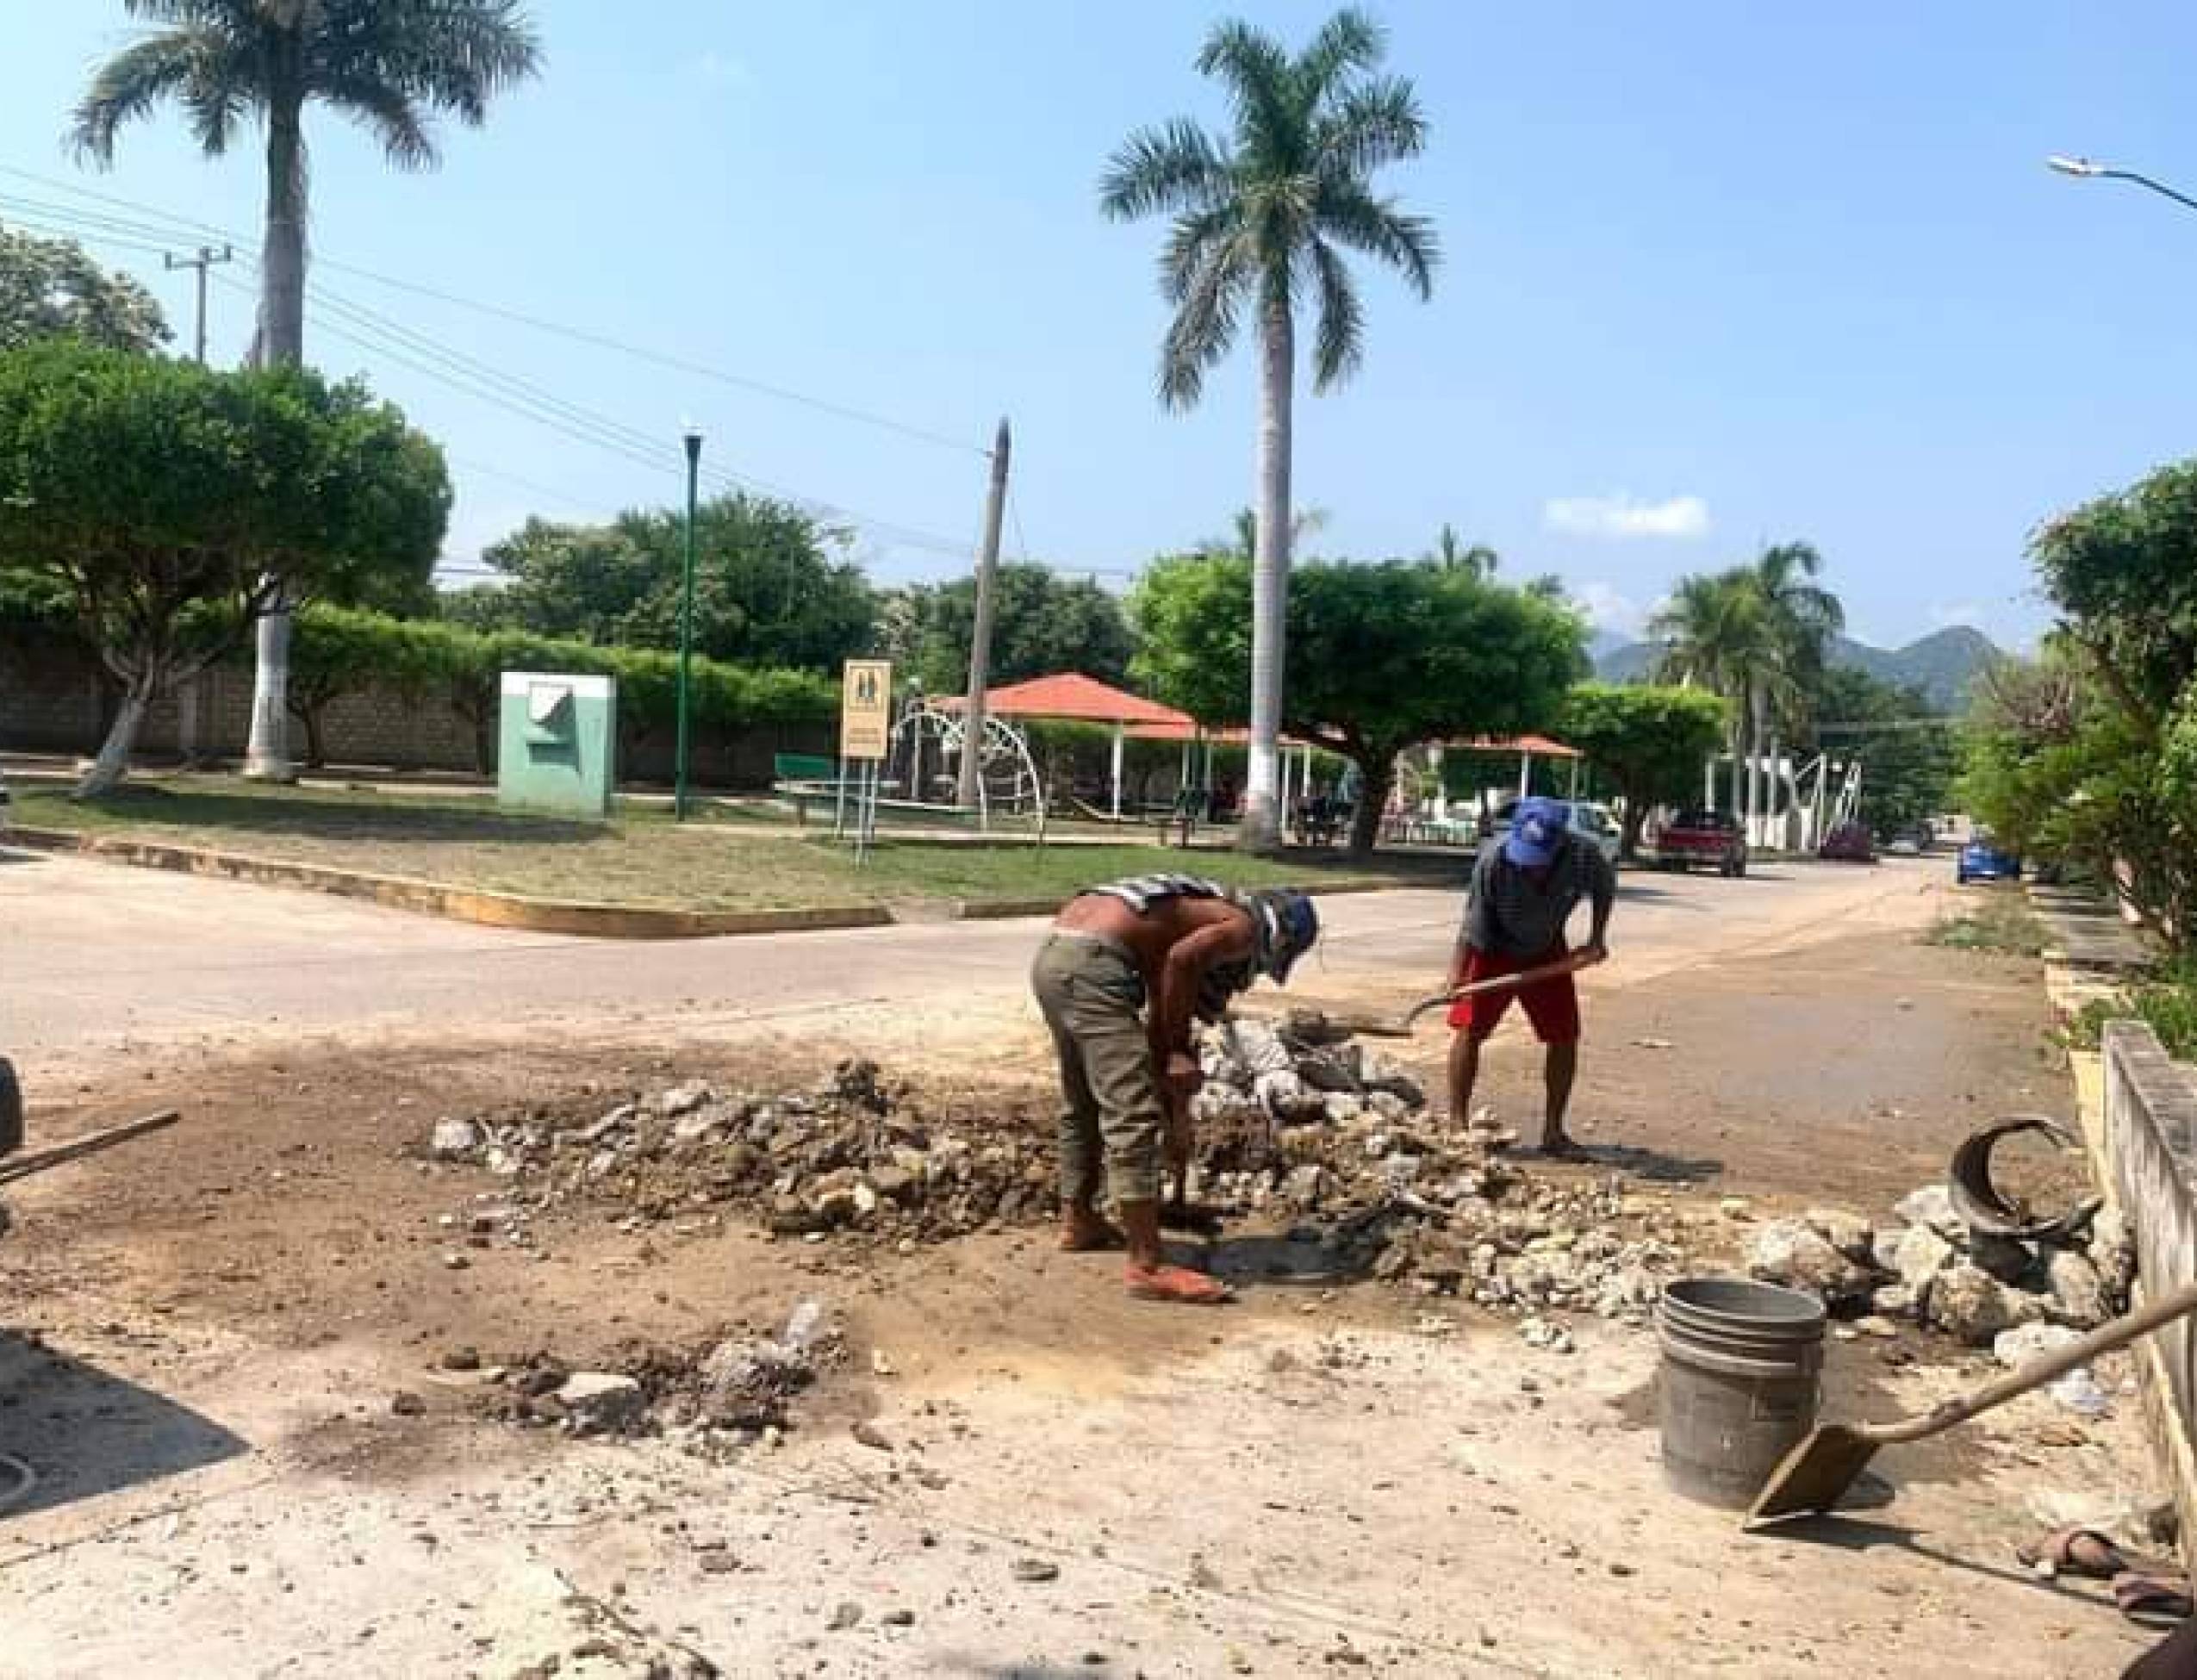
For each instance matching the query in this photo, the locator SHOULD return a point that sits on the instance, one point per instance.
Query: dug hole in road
(480, 1348)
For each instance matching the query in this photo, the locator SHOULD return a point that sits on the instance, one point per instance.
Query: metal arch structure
(1007, 779)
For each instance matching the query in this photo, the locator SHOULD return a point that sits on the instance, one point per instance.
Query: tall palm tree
(393, 65)
(1758, 635)
(1261, 216)
(1453, 553)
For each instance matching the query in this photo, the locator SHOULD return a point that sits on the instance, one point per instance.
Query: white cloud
(1609, 608)
(722, 70)
(1623, 518)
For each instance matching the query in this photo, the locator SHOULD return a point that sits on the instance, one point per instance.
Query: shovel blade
(1814, 1476)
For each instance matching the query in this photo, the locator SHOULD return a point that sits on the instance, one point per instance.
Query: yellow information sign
(866, 709)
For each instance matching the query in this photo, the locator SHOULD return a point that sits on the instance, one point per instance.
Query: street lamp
(2084, 170)
(694, 440)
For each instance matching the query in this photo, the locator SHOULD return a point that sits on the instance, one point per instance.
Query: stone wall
(2150, 1111)
(58, 702)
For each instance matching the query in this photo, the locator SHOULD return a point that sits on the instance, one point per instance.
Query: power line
(581, 335)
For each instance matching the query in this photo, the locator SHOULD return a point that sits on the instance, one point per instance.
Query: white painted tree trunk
(1262, 826)
(112, 763)
(281, 344)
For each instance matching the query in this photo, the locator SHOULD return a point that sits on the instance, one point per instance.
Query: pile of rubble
(1930, 1266)
(725, 1395)
(1297, 1124)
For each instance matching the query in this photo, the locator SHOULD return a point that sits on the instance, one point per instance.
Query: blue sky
(1717, 274)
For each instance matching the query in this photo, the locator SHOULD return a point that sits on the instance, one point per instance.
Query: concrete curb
(495, 910)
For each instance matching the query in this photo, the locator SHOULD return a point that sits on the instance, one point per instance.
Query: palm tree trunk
(281, 344)
(1262, 826)
(1757, 783)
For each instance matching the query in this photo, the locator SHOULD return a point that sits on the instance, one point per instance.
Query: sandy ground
(205, 1336)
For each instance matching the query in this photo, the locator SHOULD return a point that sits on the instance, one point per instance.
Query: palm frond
(1349, 43)
(1175, 167)
(1255, 69)
(408, 139)
(1344, 211)
(1370, 126)
(1188, 243)
(449, 55)
(1205, 322)
(130, 84)
(1339, 342)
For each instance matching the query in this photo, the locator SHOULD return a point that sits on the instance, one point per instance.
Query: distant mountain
(1941, 664)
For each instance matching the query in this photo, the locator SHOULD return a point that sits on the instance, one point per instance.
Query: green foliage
(767, 588)
(1649, 741)
(1264, 213)
(1381, 657)
(1756, 634)
(2167, 1004)
(1042, 624)
(2123, 570)
(1999, 922)
(1906, 774)
(336, 652)
(50, 288)
(170, 502)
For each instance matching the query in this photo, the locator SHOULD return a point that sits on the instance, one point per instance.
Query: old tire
(11, 1108)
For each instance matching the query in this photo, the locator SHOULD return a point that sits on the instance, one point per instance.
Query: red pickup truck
(1699, 836)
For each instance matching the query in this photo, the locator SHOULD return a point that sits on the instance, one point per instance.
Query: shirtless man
(1184, 947)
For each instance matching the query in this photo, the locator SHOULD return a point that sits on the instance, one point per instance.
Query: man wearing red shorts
(1525, 888)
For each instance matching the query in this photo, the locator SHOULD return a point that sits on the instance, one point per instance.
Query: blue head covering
(1537, 829)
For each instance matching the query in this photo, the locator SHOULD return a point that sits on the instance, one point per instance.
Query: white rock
(682, 1099)
(1884, 1247)
(2079, 1295)
(1970, 1304)
(1932, 1205)
(2112, 1251)
(2020, 1347)
(1788, 1252)
(598, 1400)
(454, 1140)
(1342, 1108)
(1897, 1301)
(1849, 1233)
(1921, 1255)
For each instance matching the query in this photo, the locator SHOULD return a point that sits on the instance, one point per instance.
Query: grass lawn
(643, 857)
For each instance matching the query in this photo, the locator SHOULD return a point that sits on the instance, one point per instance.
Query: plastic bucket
(1742, 1363)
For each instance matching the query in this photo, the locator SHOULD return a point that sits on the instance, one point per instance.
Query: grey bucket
(1741, 1364)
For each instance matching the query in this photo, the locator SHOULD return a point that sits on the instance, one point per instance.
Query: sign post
(865, 738)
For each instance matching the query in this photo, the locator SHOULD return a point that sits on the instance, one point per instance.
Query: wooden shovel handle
(2175, 1303)
(1563, 965)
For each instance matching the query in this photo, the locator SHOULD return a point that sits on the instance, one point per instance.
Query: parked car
(1984, 859)
(1589, 821)
(1849, 843)
(1697, 835)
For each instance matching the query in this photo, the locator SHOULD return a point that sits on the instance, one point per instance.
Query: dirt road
(207, 1335)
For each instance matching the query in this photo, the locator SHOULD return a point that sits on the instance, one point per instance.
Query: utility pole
(979, 646)
(206, 258)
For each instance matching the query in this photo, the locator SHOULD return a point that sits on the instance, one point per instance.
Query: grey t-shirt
(1508, 913)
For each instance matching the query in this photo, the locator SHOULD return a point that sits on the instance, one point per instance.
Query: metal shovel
(1816, 1475)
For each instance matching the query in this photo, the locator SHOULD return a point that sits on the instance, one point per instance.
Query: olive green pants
(1093, 998)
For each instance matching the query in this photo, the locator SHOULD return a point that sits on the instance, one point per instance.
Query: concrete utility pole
(206, 258)
(979, 646)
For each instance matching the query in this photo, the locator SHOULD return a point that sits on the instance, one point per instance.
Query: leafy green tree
(175, 504)
(767, 589)
(392, 66)
(1453, 552)
(50, 288)
(1043, 623)
(1260, 217)
(1650, 742)
(1381, 657)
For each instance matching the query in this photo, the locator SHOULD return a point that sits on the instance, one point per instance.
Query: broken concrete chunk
(2079, 1294)
(600, 1402)
(1789, 1251)
(1849, 1233)
(1932, 1206)
(1968, 1302)
(454, 1140)
(2027, 1343)
(682, 1099)
(1922, 1254)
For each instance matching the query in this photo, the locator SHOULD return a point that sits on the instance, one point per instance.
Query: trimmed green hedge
(337, 651)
